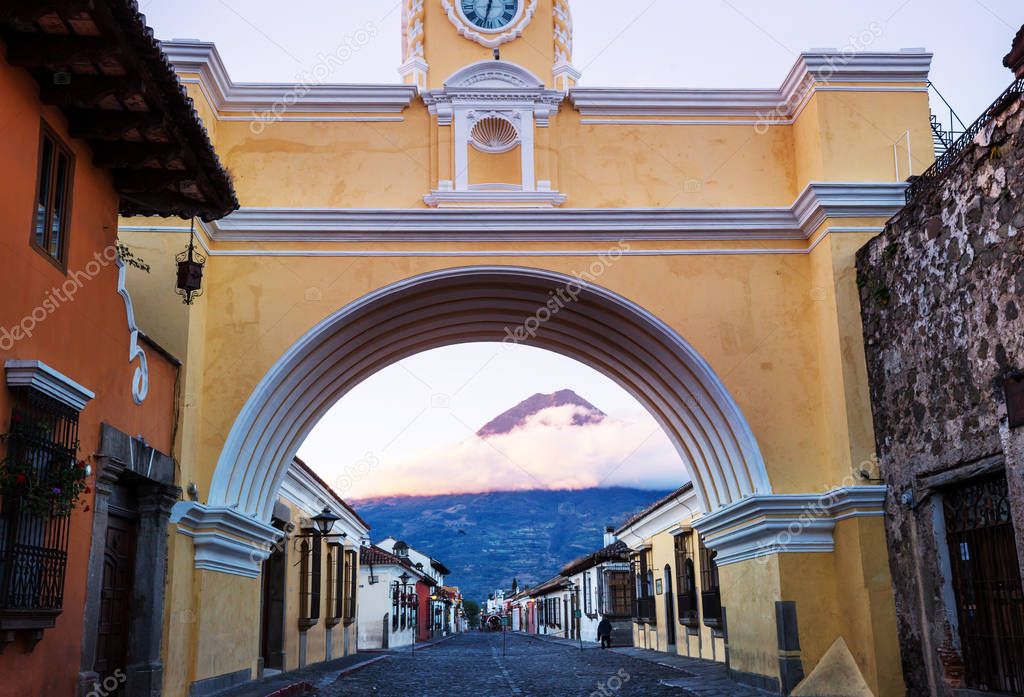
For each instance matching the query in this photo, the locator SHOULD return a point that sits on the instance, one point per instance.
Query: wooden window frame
(46, 132)
(710, 588)
(686, 582)
(352, 584)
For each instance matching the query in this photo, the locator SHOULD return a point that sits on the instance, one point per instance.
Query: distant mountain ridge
(518, 415)
(487, 539)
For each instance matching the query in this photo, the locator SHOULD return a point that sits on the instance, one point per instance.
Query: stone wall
(942, 297)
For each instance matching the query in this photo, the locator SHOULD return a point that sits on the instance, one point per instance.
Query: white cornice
(255, 99)
(818, 202)
(812, 71)
(766, 524)
(667, 517)
(307, 493)
(36, 375)
(225, 540)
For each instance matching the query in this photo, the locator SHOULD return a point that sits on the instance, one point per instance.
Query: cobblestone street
(473, 665)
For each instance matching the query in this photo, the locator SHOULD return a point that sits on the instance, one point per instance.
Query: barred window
(686, 581)
(619, 596)
(711, 595)
(588, 595)
(41, 443)
(309, 579)
(351, 583)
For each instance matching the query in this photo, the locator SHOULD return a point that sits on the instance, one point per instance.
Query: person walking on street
(604, 633)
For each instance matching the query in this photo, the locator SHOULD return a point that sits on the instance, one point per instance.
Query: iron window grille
(309, 574)
(711, 592)
(588, 594)
(335, 584)
(352, 584)
(686, 581)
(33, 547)
(618, 598)
(644, 605)
(52, 214)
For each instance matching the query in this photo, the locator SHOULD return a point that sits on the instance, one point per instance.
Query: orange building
(94, 124)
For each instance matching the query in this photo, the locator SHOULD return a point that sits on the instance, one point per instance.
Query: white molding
(820, 201)
(225, 540)
(808, 74)
(517, 253)
(36, 375)
(491, 39)
(475, 199)
(311, 496)
(140, 378)
(767, 524)
(255, 99)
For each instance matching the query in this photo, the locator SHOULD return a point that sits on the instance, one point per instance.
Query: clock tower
(440, 37)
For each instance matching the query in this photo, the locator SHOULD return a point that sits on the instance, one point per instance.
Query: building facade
(89, 401)
(309, 599)
(677, 601)
(603, 583)
(714, 229)
(941, 290)
(389, 611)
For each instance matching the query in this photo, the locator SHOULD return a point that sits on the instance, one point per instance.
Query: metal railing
(953, 153)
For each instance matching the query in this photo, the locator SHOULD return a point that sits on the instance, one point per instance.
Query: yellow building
(696, 246)
(678, 593)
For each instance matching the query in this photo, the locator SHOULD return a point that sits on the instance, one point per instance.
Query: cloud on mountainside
(547, 452)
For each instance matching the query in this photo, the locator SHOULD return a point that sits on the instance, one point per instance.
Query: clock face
(490, 15)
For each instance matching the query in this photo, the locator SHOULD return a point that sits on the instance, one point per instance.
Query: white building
(445, 606)
(553, 606)
(388, 603)
(602, 584)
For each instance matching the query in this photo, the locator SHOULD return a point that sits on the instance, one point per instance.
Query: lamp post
(577, 614)
(404, 579)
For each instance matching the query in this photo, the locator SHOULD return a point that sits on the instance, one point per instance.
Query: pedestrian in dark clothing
(604, 633)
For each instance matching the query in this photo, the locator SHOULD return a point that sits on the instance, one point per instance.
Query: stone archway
(539, 308)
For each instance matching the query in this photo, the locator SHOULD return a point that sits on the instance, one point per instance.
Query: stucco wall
(85, 338)
(940, 293)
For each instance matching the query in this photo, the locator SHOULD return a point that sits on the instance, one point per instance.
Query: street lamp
(325, 521)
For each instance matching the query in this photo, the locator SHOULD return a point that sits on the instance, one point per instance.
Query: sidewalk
(315, 676)
(697, 677)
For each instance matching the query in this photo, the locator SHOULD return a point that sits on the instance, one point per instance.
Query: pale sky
(409, 428)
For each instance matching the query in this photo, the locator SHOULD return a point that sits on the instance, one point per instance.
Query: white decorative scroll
(491, 40)
(140, 379)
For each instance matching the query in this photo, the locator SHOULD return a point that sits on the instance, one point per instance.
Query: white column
(462, 128)
(526, 137)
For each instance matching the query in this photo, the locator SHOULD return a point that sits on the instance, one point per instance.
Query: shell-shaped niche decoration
(494, 134)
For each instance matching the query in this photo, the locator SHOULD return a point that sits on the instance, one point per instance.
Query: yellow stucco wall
(705, 643)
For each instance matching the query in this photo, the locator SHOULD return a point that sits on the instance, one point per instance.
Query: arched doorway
(670, 611)
(540, 308)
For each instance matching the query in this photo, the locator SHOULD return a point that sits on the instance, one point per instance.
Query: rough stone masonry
(941, 294)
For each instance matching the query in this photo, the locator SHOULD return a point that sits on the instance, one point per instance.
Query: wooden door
(116, 596)
(272, 620)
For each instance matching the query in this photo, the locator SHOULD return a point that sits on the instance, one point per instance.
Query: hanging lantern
(190, 270)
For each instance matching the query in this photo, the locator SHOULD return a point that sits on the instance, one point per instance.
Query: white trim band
(809, 72)
(256, 99)
(225, 540)
(38, 376)
(818, 202)
(767, 524)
